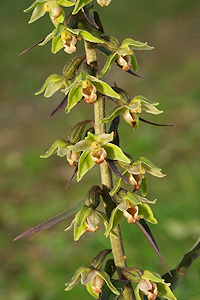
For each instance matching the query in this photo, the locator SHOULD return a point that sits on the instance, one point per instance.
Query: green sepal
(76, 132)
(146, 213)
(87, 36)
(38, 11)
(80, 225)
(47, 38)
(80, 4)
(151, 168)
(59, 146)
(134, 199)
(65, 3)
(144, 186)
(98, 260)
(111, 43)
(115, 218)
(107, 280)
(33, 5)
(115, 113)
(108, 64)
(135, 45)
(165, 292)
(70, 69)
(134, 62)
(103, 87)
(115, 153)
(108, 295)
(53, 78)
(85, 163)
(117, 185)
(91, 292)
(77, 276)
(57, 44)
(155, 277)
(138, 294)
(74, 97)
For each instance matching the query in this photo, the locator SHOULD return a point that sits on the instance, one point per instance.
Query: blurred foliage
(33, 190)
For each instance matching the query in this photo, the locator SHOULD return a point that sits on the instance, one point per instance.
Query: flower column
(106, 177)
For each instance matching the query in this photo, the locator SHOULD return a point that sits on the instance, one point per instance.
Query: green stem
(106, 176)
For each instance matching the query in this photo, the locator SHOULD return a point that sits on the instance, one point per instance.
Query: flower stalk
(106, 176)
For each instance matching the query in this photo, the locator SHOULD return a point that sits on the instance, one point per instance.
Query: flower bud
(56, 11)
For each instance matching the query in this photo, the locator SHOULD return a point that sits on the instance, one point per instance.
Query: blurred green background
(33, 190)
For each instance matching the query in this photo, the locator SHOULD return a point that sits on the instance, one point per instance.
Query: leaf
(88, 11)
(108, 64)
(32, 46)
(115, 113)
(103, 87)
(135, 45)
(38, 12)
(115, 153)
(70, 179)
(75, 95)
(152, 243)
(113, 166)
(152, 123)
(85, 164)
(80, 4)
(62, 104)
(56, 44)
(53, 221)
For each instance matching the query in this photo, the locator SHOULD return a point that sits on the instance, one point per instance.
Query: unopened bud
(104, 2)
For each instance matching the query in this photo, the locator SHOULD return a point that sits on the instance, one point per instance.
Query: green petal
(115, 153)
(65, 3)
(135, 45)
(165, 292)
(80, 225)
(104, 138)
(116, 112)
(115, 218)
(38, 12)
(85, 164)
(103, 87)
(107, 280)
(74, 97)
(91, 292)
(56, 44)
(59, 146)
(155, 277)
(108, 64)
(76, 278)
(144, 186)
(134, 62)
(80, 4)
(146, 213)
(51, 79)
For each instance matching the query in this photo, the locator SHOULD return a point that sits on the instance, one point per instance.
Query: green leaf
(56, 44)
(80, 225)
(107, 280)
(115, 153)
(108, 64)
(85, 164)
(135, 45)
(51, 79)
(115, 218)
(165, 292)
(103, 87)
(79, 5)
(74, 97)
(146, 213)
(115, 113)
(77, 276)
(59, 146)
(38, 12)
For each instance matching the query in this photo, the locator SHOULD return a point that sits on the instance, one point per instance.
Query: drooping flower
(131, 110)
(69, 41)
(89, 91)
(149, 284)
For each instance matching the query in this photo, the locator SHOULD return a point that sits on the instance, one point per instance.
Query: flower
(93, 279)
(149, 284)
(88, 91)
(69, 41)
(95, 148)
(124, 58)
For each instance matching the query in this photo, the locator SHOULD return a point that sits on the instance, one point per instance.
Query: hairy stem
(106, 176)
